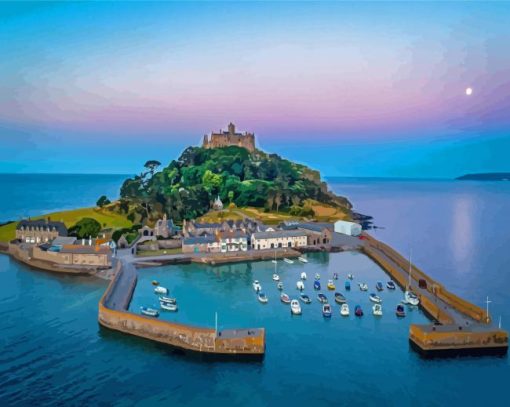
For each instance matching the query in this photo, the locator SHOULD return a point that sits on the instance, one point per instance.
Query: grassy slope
(105, 217)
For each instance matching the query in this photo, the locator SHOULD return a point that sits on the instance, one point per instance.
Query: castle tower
(231, 128)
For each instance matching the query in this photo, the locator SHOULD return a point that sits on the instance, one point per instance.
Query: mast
(488, 302)
(410, 271)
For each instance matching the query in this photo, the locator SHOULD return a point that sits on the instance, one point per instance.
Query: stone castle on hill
(230, 138)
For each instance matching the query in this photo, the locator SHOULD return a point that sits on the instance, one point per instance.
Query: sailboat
(410, 298)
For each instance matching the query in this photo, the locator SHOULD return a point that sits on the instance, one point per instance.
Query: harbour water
(53, 349)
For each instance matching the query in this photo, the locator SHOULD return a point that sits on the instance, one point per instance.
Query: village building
(230, 138)
(74, 254)
(278, 239)
(165, 228)
(201, 244)
(192, 228)
(233, 241)
(39, 231)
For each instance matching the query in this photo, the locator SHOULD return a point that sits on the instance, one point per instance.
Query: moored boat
(284, 298)
(155, 282)
(390, 285)
(300, 285)
(358, 311)
(302, 259)
(150, 312)
(276, 277)
(289, 261)
(350, 276)
(363, 286)
(167, 306)
(322, 298)
(316, 285)
(168, 300)
(326, 311)
(335, 276)
(317, 276)
(377, 310)
(262, 297)
(256, 286)
(379, 286)
(303, 276)
(344, 310)
(347, 285)
(400, 311)
(411, 298)
(279, 285)
(375, 298)
(305, 298)
(295, 308)
(339, 298)
(161, 290)
(331, 285)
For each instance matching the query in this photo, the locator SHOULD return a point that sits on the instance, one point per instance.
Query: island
(489, 176)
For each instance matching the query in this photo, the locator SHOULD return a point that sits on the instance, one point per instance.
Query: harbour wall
(251, 255)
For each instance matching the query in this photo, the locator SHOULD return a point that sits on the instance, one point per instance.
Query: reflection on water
(462, 231)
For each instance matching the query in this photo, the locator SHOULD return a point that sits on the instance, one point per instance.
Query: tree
(151, 165)
(102, 201)
(230, 196)
(211, 181)
(86, 227)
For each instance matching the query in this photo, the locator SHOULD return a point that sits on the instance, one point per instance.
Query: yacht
(295, 308)
(303, 276)
(344, 310)
(300, 285)
(276, 277)
(363, 286)
(279, 285)
(161, 290)
(256, 286)
(377, 310)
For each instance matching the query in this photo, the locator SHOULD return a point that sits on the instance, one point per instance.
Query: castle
(230, 138)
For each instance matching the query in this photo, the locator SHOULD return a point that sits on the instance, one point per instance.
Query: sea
(53, 351)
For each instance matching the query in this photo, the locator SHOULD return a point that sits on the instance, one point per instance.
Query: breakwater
(114, 314)
(461, 327)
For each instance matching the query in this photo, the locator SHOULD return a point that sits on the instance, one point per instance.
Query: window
(289, 244)
(272, 245)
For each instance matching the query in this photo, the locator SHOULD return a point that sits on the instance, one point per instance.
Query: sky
(351, 89)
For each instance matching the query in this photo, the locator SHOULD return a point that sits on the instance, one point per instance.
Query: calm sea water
(53, 350)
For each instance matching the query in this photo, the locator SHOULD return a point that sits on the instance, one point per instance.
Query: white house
(347, 228)
(277, 239)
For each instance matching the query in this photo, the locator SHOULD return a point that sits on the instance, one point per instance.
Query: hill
(186, 188)
(488, 176)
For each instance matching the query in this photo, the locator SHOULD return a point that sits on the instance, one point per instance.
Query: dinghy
(302, 259)
(168, 300)
(168, 306)
(377, 310)
(317, 276)
(316, 285)
(358, 311)
(326, 311)
(350, 276)
(335, 276)
(344, 310)
(339, 298)
(375, 298)
(295, 308)
(379, 286)
(276, 277)
(154, 282)
(161, 290)
(390, 285)
(289, 261)
(150, 312)
(305, 298)
(348, 285)
(322, 298)
(279, 285)
(284, 298)
(400, 311)
(262, 297)
(331, 285)
(363, 286)
(300, 285)
(303, 276)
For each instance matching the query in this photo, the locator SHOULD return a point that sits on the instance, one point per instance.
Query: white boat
(286, 260)
(284, 298)
(168, 306)
(350, 276)
(279, 285)
(377, 310)
(303, 276)
(262, 298)
(167, 299)
(161, 290)
(274, 261)
(276, 277)
(344, 310)
(363, 286)
(295, 308)
(317, 276)
(256, 286)
(300, 285)
(375, 298)
(411, 298)
(149, 312)
(302, 259)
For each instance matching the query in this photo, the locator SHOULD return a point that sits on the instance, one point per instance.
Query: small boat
(256, 286)
(150, 312)
(350, 276)
(375, 298)
(155, 282)
(302, 259)
(274, 261)
(303, 276)
(316, 285)
(305, 298)
(289, 261)
(326, 311)
(363, 286)
(377, 310)
(168, 306)
(276, 277)
(300, 285)
(339, 298)
(400, 311)
(331, 285)
(322, 298)
(279, 285)
(284, 298)
(295, 308)
(411, 298)
(358, 311)
(344, 310)
(390, 285)
(262, 297)
(347, 285)
(317, 276)
(167, 300)
(161, 290)
(335, 276)
(379, 286)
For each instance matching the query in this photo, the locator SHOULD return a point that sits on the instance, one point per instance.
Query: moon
(469, 91)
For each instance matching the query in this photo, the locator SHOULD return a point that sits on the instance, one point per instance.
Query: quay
(114, 314)
(460, 328)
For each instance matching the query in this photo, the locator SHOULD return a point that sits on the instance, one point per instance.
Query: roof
(234, 234)
(279, 233)
(63, 240)
(84, 249)
(43, 223)
(199, 240)
(316, 227)
(206, 225)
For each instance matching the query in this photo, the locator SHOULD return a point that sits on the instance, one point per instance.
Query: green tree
(102, 201)
(151, 166)
(211, 181)
(230, 196)
(86, 227)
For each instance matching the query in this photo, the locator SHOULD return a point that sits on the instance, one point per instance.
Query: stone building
(230, 138)
(78, 255)
(201, 244)
(39, 231)
(233, 241)
(164, 227)
(278, 239)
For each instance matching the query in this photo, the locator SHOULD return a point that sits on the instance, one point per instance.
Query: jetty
(459, 328)
(114, 314)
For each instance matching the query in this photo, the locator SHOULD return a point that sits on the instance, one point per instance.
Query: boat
(256, 286)
(284, 298)
(302, 259)
(161, 290)
(390, 285)
(279, 285)
(150, 312)
(331, 285)
(262, 297)
(305, 298)
(411, 298)
(363, 286)
(322, 298)
(335, 276)
(168, 300)
(326, 311)
(347, 285)
(155, 282)
(300, 285)
(274, 261)
(303, 276)
(377, 310)
(400, 311)
(276, 277)
(344, 310)
(339, 298)
(289, 261)
(358, 311)
(375, 298)
(316, 285)
(295, 308)
(350, 276)
(379, 286)
(317, 276)
(167, 306)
